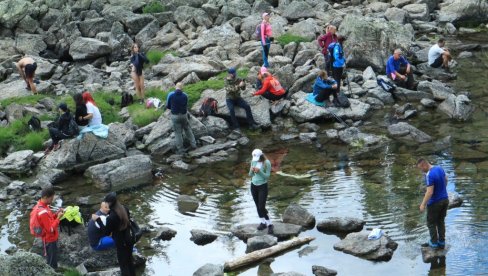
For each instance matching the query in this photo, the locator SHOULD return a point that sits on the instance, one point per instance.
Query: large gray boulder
(19, 162)
(457, 107)
(455, 200)
(435, 73)
(121, 174)
(396, 15)
(459, 12)
(357, 244)
(417, 11)
(259, 105)
(210, 270)
(224, 36)
(184, 14)
(216, 126)
(30, 44)
(260, 242)
(12, 11)
(438, 89)
(341, 225)
(403, 94)
(304, 111)
(305, 28)
(176, 69)
(236, 8)
(405, 131)
(282, 231)
(25, 263)
(298, 9)
(92, 26)
(78, 155)
(371, 41)
(295, 214)
(88, 48)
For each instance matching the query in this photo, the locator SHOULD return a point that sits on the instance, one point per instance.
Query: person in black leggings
(117, 225)
(260, 171)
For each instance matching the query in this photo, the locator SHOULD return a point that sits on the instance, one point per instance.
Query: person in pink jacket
(266, 38)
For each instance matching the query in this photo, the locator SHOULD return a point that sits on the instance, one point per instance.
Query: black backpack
(386, 85)
(126, 100)
(209, 107)
(342, 100)
(73, 128)
(34, 123)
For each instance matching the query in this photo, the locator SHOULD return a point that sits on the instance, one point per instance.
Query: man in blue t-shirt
(436, 200)
(398, 69)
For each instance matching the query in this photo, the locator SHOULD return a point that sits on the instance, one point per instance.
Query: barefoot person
(437, 201)
(27, 68)
(259, 172)
(137, 61)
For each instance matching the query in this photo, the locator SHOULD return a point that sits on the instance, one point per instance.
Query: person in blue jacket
(338, 60)
(399, 70)
(324, 87)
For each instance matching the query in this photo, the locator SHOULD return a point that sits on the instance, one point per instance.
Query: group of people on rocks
(108, 226)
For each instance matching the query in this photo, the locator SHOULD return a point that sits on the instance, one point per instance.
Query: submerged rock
(431, 254)
(282, 231)
(457, 107)
(405, 131)
(202, 237)
(210, 270)
(455, 200)
(357, 244)
(187, 203)
(296, 214)
(165, 233)
(323, 271)
(341, 225)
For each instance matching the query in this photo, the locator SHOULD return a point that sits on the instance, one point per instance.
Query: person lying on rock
(60, 129)
(272, 89)
(96, 236)
(324, 87)
(399, 70)
(233, 87)
(27, 68)
(439, 56)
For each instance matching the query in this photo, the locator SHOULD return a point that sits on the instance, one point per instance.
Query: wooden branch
(262, 254)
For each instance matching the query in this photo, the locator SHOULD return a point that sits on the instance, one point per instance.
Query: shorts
(30, 69)
(437, 62)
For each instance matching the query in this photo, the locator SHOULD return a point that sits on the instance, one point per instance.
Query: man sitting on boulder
(439, 55)
(398, 69)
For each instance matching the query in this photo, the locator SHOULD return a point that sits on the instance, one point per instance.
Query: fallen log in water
(262, 254)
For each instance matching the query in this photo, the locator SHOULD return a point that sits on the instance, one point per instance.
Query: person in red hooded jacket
(271, 89)
(49, 223)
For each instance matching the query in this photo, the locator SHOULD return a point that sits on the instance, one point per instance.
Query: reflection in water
(438, 267)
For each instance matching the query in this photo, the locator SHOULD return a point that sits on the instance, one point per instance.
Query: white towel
(375, 234)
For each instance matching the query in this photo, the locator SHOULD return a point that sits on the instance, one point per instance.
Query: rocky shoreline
(84, 45)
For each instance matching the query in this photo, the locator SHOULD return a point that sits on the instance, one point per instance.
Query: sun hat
(256, 154)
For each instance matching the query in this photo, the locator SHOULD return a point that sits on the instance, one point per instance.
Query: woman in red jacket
(271, 89)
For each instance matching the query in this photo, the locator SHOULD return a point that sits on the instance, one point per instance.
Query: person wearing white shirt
(438, 55)
(94, 114)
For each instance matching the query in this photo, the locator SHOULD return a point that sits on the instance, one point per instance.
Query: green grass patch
(19, 135)
(109, 112)
(288, 38)
(155, 56)
(31, 99)
(154, 7)
(142, 116)
(71, 272)
(34, 140)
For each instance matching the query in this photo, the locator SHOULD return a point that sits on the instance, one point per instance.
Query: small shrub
(6, 138)
(71, 272)
(34, 140)
(142, 116)
(288, 38)
(155, 56)
(154, 7)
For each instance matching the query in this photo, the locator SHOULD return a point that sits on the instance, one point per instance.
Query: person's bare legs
(141, 86)
(135, 78)
(30, 83)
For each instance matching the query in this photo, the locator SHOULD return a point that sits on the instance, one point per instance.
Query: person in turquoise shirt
(259, 172)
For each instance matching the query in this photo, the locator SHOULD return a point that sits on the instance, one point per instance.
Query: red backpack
(34, 225)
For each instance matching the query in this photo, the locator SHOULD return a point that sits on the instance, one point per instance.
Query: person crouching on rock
(439, 56)
(96, 236)
(260, 171)
(59, 130)
(27, 68)
(272, 89)
(324, 87)
(117, 225)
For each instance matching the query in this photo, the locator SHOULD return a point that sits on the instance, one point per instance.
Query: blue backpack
(386, 85)
(331, 48)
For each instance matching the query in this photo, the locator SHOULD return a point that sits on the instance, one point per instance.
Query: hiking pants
(52, 254)
(407, 83)
(240, 102)
(180, 125)
(328, 64)
(265, 51)
(272, 97)
(337, 75)
(436, 213)
(324, 95)
(259, 195)
(57, 135)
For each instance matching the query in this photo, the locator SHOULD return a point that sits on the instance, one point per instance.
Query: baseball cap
(232, 71)
(263, 70)
(265, 14)
(256, 154)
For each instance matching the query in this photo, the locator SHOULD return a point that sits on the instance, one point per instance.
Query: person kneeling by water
(324, 87)
(271, 89)
(98, 241)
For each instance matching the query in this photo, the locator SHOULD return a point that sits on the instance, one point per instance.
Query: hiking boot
(261, 226)
(270, 229)
(430, 244)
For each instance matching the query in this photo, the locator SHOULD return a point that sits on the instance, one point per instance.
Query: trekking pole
(349, 87)
(338, 118)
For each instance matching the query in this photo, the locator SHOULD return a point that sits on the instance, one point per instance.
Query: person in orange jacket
(271, 89)
(49, 223)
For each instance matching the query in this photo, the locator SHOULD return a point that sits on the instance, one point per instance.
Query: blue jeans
(265, 47)
(180, 125)
(240, 103)
(105, 243)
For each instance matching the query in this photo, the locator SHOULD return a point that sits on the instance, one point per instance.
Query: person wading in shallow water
(437, 201)
(260, 171)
